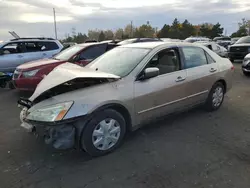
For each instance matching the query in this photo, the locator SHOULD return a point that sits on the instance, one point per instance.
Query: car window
(46, 46)
(166, 61)
(120, 65)
(31, 47)
(209, 58)
(14, 47)
(93, 52)
(194, 57)
(214, 47)
(66, 54)
(110, 46)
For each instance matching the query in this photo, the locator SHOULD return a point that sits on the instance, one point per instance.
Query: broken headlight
(50, 113)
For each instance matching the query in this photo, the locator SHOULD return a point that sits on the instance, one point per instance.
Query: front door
(11, 57)
(163, 94)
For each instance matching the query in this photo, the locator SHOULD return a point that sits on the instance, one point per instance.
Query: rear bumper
(237, 55)
(27, 84)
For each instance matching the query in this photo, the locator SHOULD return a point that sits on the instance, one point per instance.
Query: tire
(103, 141)
(246, 73)
(212, 105)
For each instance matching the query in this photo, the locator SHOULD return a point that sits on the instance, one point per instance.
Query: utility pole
(131, 30)
(55, 22)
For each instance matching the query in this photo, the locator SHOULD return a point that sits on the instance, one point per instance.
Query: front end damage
(49, 120)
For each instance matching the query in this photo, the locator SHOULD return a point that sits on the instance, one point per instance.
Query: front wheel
(215, 97)
(103, 133)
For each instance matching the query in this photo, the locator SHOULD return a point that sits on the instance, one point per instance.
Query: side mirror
(150, 73)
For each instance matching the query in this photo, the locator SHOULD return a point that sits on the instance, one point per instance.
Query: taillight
(232, 67)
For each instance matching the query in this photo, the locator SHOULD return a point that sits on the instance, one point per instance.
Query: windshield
(119, 61)
(243, 40)
(66, 54)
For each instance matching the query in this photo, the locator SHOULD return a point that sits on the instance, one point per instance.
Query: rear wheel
(103, 133)
(215, 97)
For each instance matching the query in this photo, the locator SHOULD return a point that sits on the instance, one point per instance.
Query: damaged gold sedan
(93, 107)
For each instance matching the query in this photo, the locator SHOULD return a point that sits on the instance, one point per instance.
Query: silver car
(93, 107)
(19, 51)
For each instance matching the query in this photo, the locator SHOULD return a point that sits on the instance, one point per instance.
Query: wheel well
(224, 84)
(122, 110)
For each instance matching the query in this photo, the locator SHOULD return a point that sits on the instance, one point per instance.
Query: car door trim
(172, 102)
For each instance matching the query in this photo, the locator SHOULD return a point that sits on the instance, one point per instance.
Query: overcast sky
(35, 17)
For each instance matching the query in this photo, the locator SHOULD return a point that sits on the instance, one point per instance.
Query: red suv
(27, 76)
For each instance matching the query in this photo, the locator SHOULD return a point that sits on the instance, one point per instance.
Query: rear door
(32, 51)
(48, 48)
(165, 93)
(202, 73)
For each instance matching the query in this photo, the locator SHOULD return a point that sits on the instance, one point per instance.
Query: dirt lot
(193, 149)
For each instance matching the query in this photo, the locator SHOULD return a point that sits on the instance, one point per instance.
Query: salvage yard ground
(195, 149)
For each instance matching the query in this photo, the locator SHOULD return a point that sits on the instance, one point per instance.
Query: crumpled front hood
(64, 73)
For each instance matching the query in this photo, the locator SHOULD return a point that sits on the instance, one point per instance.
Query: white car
(18, 51)
(220, 50)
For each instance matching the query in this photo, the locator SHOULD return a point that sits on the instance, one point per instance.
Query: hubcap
(106, 134)
(218, 96)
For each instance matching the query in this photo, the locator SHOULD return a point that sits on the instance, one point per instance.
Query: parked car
(246, 65)
(136, 40)
(94, 106)
(234, 40)
(27, 76)
(240, 49)
(220, 50)
(195, 39)
(19, 51)
(222, 38)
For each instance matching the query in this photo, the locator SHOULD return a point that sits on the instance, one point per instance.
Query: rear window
(93, 52)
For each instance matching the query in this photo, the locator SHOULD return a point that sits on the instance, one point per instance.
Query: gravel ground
(192, 149)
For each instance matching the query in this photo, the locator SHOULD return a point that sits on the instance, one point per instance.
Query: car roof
(151, 45)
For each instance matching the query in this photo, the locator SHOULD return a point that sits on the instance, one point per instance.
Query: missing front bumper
(59, 136)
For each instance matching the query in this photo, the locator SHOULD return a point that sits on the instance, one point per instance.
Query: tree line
(177, 30)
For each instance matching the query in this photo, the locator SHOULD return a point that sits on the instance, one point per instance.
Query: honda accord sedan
(93, 107)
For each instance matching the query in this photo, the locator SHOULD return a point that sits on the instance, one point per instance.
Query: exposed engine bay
(75, 84)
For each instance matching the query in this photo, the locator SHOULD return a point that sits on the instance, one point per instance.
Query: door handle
(44, 54)
(180, 79)
(19, 56)
(213, 70)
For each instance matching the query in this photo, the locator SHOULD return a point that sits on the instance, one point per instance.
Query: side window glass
(209, 58)
(31, 47)
(93, 52)
(214, 47)
(46, 46)
(194, 57)
(13, 48)
(166, 61)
